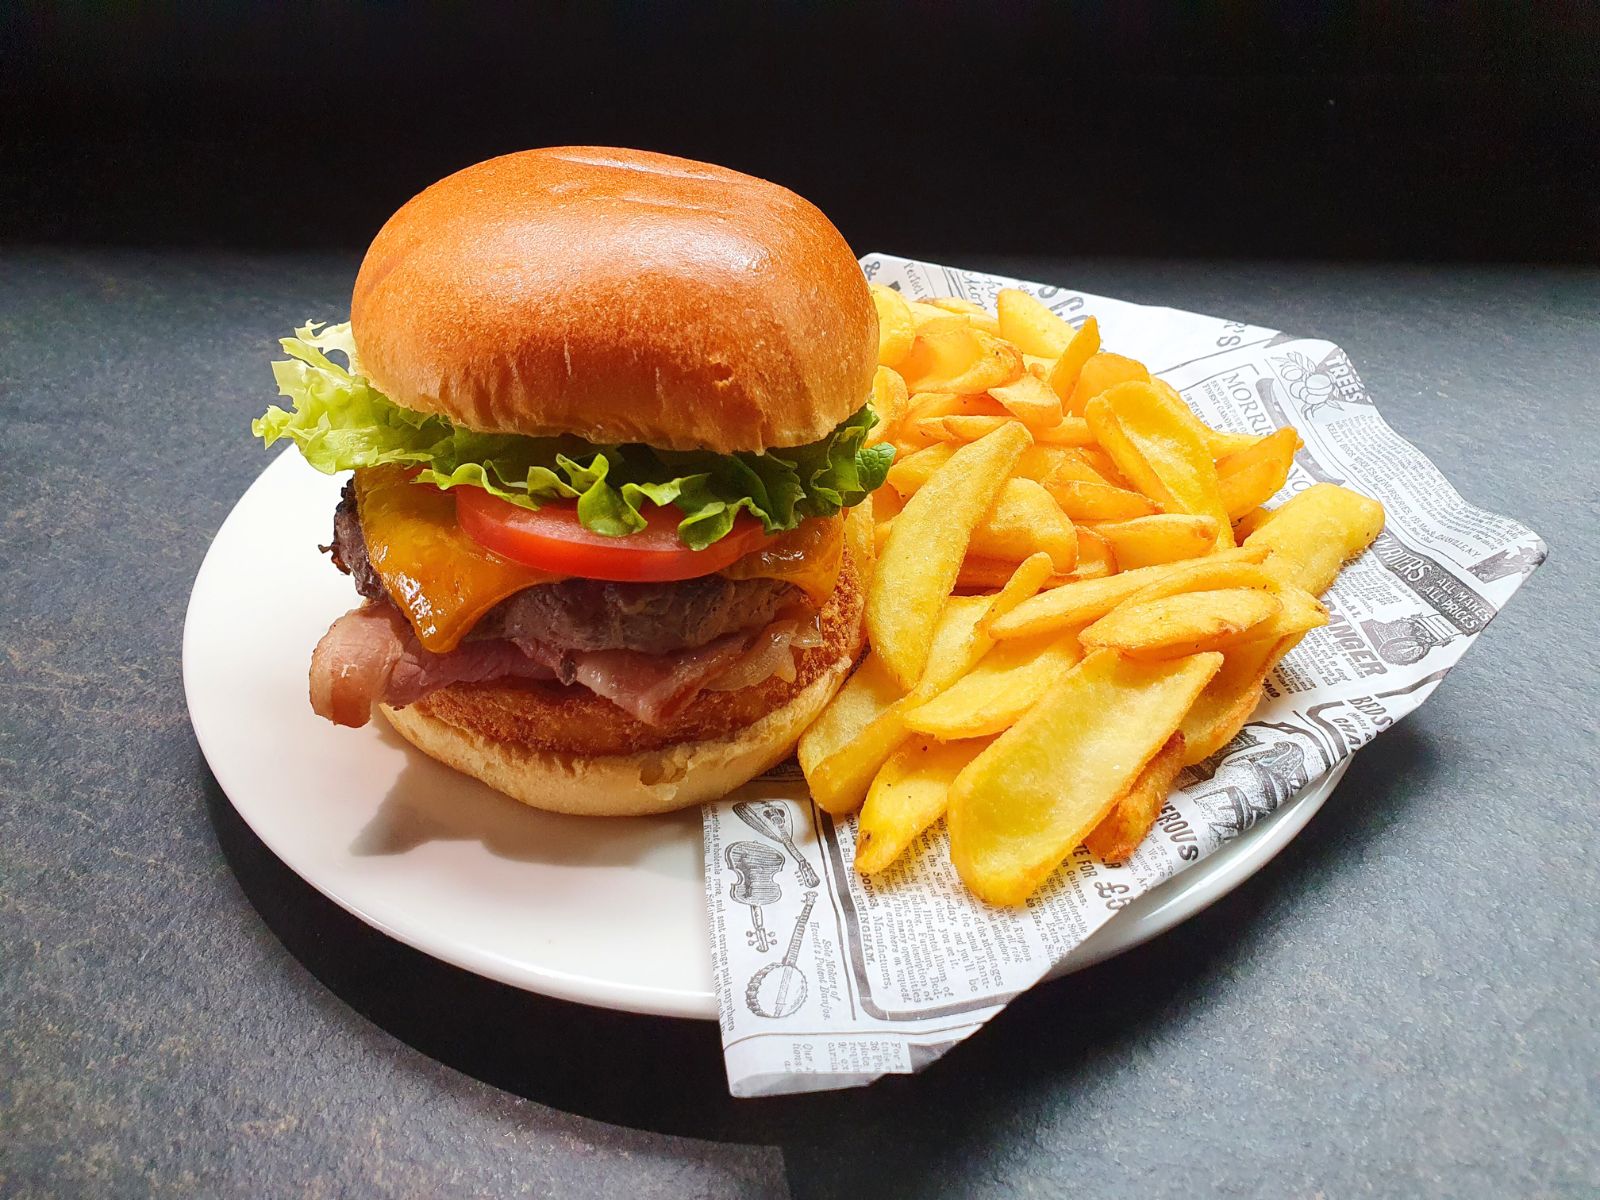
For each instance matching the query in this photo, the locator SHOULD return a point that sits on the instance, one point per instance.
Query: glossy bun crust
(568, 750)
(619, 295)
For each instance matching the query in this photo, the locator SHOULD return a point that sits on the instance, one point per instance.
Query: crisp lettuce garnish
(341, 422)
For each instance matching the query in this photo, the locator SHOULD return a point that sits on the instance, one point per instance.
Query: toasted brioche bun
(621, 296)
(568, 750)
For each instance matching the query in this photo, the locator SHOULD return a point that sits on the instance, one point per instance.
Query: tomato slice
(551, 539)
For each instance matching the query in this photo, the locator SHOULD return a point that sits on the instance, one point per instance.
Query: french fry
(1101, 372)
(1159, 538)
(896, 330)
(908, 437)
(1185, 624)
(1039, 367)
(1096, 557)
(843, 748)
(1237, 568)
(880, 535)
(1223, 707)
(1031, 575)
(912, 471)
(974, 314)
(930, 318)
(957, 427)
(1311, 536)
(1026, 521)
(1218, 441)
(981, 574)
(908, 795)
(1004, 684)
(1252, 476)
(1249, 523)
(1081, 602)
(1022, 804)
(1097, 501)
(1301, 612)
(1101, 462)
(945, 349)
(1150, 438)
(859, 527)
(959, 640)
(925, 405)
(889, 402)
(1028, 323)
(1085, 344)
(1222, 442)
(1031, 401)
(886, 504)
(1069, 431)
(1069, 464)
(1116, 838)
(965, 360)
(922, 557)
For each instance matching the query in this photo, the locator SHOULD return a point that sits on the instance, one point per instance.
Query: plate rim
(1159, 910)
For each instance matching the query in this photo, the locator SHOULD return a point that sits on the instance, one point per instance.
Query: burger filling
(646, 577)
(649, 648)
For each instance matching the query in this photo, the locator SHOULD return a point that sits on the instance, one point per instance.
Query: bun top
(619, 295)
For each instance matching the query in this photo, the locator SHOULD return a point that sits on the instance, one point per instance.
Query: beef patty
(594, 614)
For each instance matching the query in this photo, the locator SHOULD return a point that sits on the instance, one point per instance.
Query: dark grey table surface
(1403, 1003)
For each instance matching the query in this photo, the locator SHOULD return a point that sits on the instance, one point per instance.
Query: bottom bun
(622, 785)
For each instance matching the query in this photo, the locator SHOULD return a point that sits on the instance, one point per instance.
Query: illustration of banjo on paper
(779, 989)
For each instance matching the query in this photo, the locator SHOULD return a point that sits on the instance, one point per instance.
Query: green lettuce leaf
(341, 422)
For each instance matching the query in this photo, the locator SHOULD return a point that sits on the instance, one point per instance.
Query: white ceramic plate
(610, 913)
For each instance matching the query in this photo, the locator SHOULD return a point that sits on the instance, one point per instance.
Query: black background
(1387, 131)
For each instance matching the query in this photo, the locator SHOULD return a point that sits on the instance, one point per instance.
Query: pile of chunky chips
(1078, 592)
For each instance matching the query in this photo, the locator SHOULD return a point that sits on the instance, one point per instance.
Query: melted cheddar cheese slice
(445, 582)
(438, 576)
(807, 557)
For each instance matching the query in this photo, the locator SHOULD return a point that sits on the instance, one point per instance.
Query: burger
(606, 413)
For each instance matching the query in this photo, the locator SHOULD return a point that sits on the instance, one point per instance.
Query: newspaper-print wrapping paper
(828, 980)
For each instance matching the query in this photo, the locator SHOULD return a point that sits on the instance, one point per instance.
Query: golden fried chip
(922, 558)
(1063, 377)
(896, 330)
(1097, 501)
(974, 314)
(1100, 373)
(1004, 684)
(1022, 805)
(962, 360)
(1254, 475)
(1185, 624)
(1080, 602)
(908, 795)
(1150, 438)
(1031, 401)
(1223, 707)
(1159, 538)
(1118, 836)
(1023, 522)
(1311, 536)
(910, 472)
(1032, 326)
(889, 402)
(843, 748)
